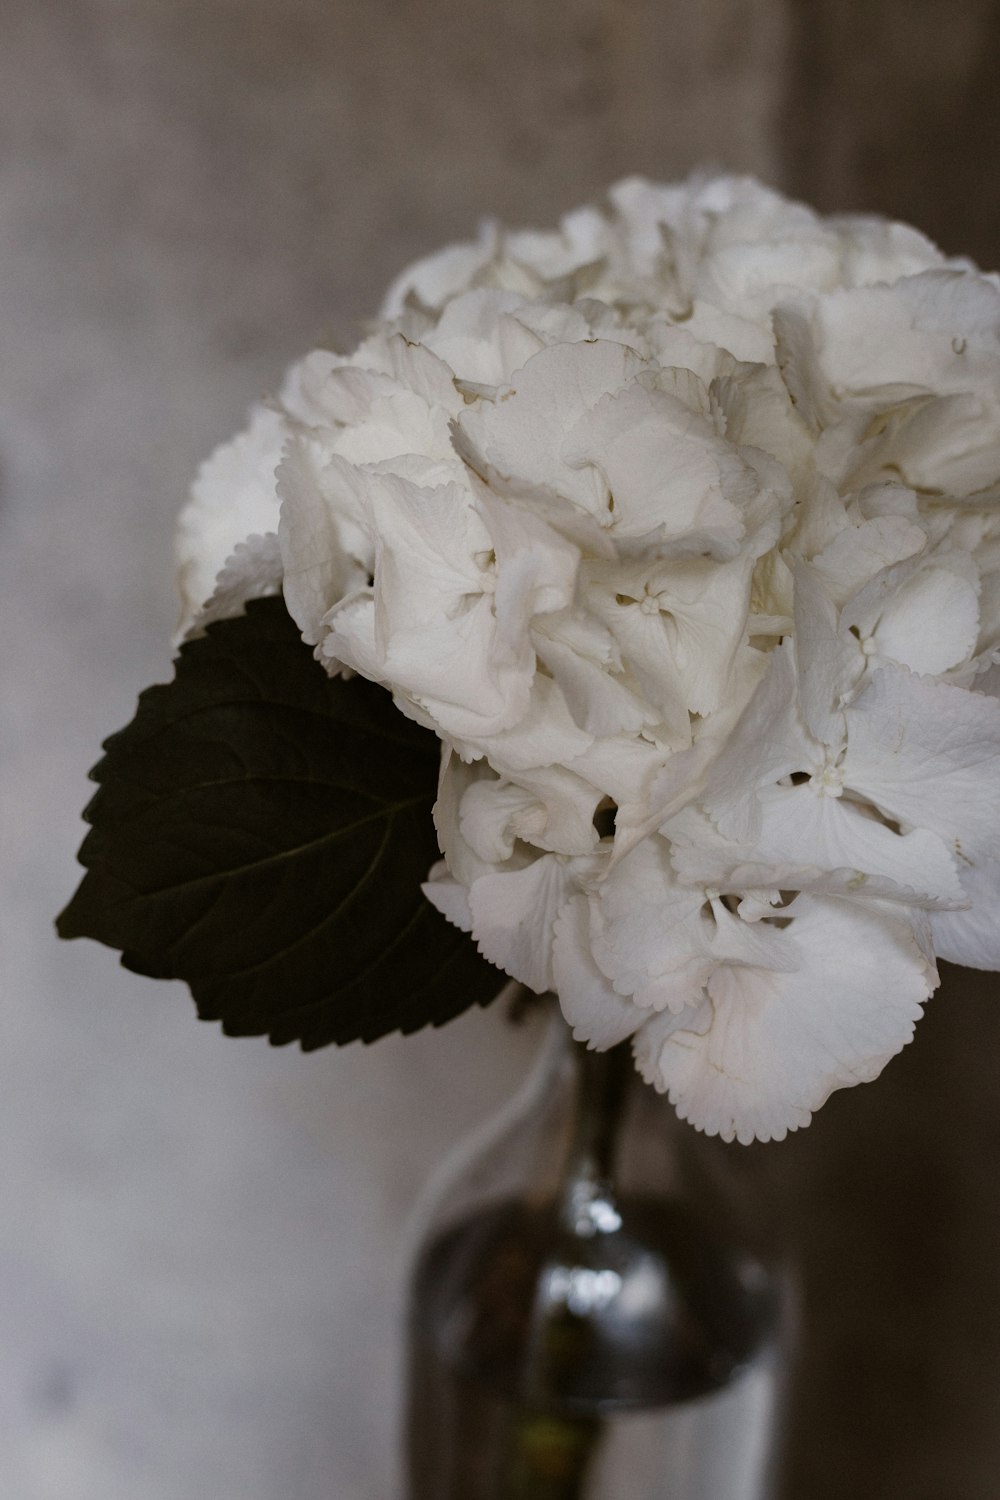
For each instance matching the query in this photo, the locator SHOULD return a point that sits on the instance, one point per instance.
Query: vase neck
(601, 1086)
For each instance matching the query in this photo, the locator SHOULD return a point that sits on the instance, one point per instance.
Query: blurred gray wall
(200, 1239)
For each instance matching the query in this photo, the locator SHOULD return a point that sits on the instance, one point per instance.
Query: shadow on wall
(892, 107)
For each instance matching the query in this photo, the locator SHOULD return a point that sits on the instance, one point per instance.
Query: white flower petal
(455, 781)
(829, 662)
(765, 1049)
(622, 767)
(411, 367)
(233, 497)
(948, 444)
(449, 896)
(801, 825)
(874, 249)
(931, 622)
(319, 570)
(768, 742)
(551, 809)
(253, 571)
(514, 915)
(679, 625)
(519, 440)
(683, 775)
(666, 470)
(742, 337)
(481, 337)
(491, 811)
(435, 278)
(579, 654)
(546, 735)
(536, 569)
(972, 936)
(436, 629)
(597, 1015)
(933, 331)
(395, 423)
(858, 553)
(758, 413)
(928, 755)
(348, 638)
(431, 553)
(648, 932)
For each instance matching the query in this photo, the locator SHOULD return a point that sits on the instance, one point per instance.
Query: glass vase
(585, 1321)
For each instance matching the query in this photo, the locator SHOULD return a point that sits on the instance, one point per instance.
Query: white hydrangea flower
(680, 526)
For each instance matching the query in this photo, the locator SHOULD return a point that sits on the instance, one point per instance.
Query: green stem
(602, 1087)
(549, 1457)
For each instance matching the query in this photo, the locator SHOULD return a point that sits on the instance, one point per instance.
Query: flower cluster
(680, 526)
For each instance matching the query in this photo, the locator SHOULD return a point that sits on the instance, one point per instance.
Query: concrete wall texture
(199, 1239)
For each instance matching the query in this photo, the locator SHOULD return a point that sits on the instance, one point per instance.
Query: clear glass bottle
(584, 1323)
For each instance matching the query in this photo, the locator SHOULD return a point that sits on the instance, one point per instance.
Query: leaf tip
(69, 923)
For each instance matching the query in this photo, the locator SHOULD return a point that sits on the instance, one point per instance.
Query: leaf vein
(333, 835)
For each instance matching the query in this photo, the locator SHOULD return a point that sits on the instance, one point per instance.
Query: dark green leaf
(261, 831)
